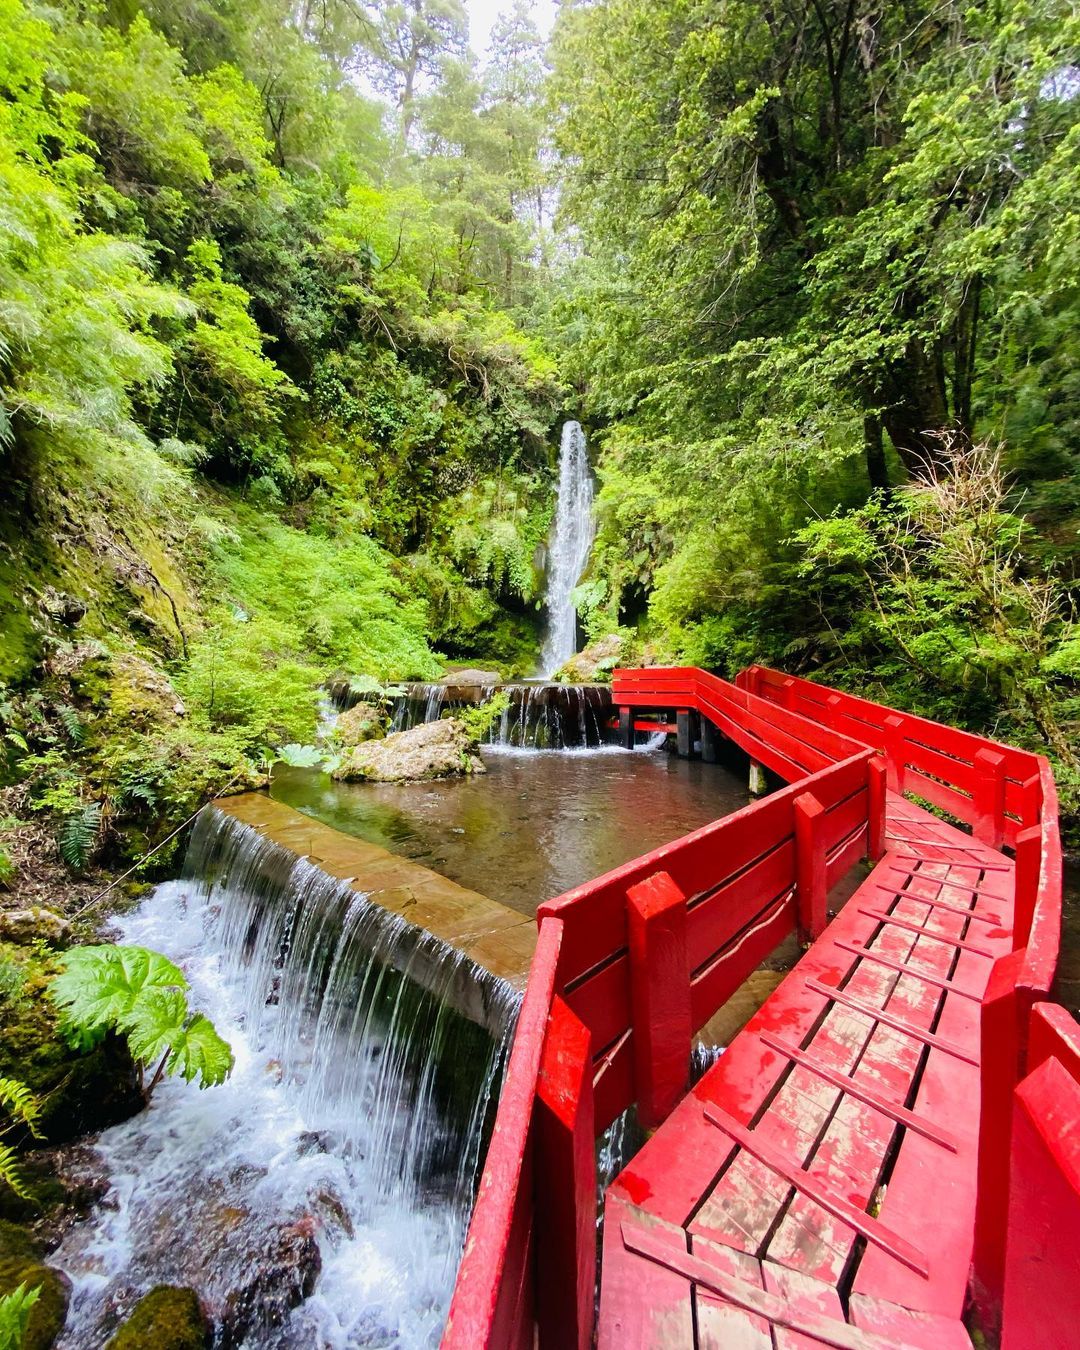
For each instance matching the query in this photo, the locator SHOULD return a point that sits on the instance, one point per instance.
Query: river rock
(364, 722)
(469, 678)
(594, 664)
(432, 750)
(23, 926)
(167, 1318)
(281, 1273)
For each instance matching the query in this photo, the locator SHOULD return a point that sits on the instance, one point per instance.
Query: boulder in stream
(167, 1318)
(443, 749)
(594, 664)
(361, 723)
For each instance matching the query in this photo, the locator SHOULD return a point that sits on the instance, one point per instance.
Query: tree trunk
(874, 443)
(915, 410)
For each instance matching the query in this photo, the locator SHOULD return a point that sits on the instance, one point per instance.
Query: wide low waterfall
(321, 1196)
(537, 716)
(571, 542)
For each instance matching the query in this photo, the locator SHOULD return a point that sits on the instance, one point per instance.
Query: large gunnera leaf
(99, 987)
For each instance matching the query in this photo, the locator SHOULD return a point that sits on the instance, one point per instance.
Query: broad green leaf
(98, 986)
(201, 1053)
(155, 1023)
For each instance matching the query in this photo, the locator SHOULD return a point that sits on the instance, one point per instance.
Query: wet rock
(49, 1313)
(281, 1271)
(167, 1318)
(594, 664)
(364, 722)
(432, 750)
(471, 677)
(24, 926)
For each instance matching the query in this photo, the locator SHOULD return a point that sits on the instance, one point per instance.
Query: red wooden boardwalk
(822, 1176)
(849, 1172)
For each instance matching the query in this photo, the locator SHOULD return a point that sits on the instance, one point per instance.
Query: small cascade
(537, 717)
(573, 537)
(321, 1196)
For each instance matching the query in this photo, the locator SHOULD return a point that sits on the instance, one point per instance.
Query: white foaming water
(336, 1142)
(574, 531)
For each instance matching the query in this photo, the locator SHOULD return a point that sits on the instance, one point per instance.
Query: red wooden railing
(994, 788)
(1008, 798)
(628, 966)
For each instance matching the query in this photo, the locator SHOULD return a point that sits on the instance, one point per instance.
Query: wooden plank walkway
(817, 1186)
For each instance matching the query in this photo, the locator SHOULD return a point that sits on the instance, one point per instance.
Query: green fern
(141, 995)
(78, 835)
(21, 1104)
(11, 1173)
(15, 1310)
(73, 727)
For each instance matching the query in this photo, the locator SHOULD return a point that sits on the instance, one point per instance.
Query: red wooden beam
(893, 1020)
(565, 1196)
(906, 968)
(810, 863)
(659, 995)
(781, 1312)
(863, 1092)
(815, 1189)
(1042, 1277)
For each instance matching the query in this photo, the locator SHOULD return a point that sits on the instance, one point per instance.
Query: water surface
(536, 824)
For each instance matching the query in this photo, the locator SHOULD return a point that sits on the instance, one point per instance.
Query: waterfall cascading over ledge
(570, 547)
(539, 716)
(349, 1137)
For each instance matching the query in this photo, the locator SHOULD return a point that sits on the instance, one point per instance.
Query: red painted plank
(874, 1232)
(718, 916)
(715, 983)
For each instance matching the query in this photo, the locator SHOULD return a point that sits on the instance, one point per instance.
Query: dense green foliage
(264, 405)
(286, 326)
(825, 248)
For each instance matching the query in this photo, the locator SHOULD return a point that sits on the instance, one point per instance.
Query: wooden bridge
(892, 1143)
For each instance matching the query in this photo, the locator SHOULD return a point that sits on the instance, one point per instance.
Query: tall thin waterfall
(574, 531)
(321, 1196)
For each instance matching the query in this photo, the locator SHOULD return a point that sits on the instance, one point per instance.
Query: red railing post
(809, 866)
(565, 1185)
(999, 1074)
(989, 797)
(895, 756)
(1029, 845)
(876, 773)
(788, 692)
(659, 995)
(1042, 1280)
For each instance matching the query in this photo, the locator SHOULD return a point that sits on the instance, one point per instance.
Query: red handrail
(718, 899)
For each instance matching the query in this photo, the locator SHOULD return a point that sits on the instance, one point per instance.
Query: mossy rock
(167, 1318)
(50, 1311)
(81, 1092)
(364, 722)
(17, 1243)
